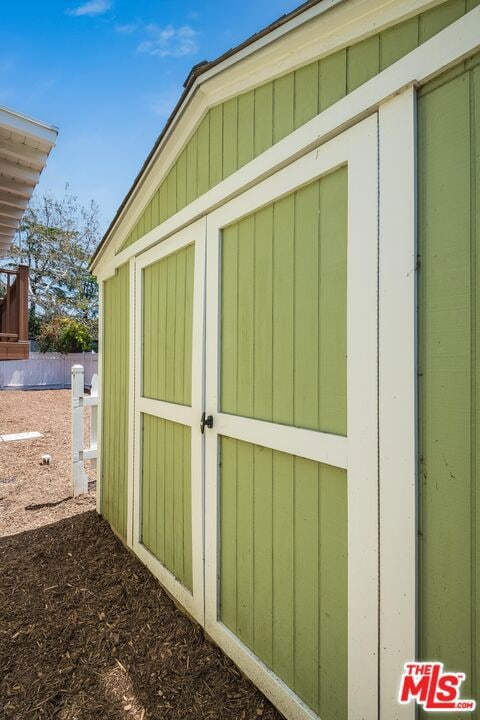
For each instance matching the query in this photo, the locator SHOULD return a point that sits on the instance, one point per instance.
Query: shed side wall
(449, 365)
(115, 401)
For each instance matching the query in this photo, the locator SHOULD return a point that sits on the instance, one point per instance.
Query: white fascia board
(442, 51)
(30, 129)
(313, 34)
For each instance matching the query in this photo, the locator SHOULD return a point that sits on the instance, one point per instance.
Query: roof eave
(25, 145)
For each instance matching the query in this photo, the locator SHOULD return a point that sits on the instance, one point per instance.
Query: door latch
(206, 422)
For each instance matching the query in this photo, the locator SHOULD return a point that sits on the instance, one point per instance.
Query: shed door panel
(283, 518)
(167, 328)
(284, 316)
(166, 501)
(168, 525)
(166, 522)
(291, 469)
(283, 567)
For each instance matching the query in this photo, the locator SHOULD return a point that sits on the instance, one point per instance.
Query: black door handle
(206, 422)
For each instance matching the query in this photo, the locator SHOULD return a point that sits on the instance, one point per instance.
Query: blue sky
(107, 73)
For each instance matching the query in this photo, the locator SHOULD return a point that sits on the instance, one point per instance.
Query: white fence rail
(80, 454)
(45, 370)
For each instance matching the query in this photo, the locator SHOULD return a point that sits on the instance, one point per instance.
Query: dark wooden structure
(14, 314)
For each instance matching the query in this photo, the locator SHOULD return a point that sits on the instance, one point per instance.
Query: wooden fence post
(22, 299)
(79, 476)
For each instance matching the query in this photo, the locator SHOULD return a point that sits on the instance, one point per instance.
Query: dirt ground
(86, 632)
(32, 494)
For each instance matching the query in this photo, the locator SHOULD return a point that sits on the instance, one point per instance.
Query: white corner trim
(98, 485)
(132, 418)
(448, 47)
(397, 398)
(315, 33)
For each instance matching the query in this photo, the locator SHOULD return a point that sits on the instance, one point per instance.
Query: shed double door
(263, 315)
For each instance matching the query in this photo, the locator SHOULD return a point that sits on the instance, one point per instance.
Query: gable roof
(197, 72)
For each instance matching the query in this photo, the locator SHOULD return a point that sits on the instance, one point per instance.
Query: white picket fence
(45, 370)
(80, 454)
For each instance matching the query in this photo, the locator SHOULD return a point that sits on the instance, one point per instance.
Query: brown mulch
(85, 630)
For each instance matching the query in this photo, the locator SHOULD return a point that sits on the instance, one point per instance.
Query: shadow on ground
(87, 632)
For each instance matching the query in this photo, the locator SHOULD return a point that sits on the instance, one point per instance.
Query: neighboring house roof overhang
(24, 148)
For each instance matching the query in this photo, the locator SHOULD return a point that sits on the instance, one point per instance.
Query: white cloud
(126, 29)
(91, 8)
(169, 41)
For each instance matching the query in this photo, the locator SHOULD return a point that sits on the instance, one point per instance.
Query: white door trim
(192, 602)
(397, 398)
(358, 147)
(362, 422)
(319, 446)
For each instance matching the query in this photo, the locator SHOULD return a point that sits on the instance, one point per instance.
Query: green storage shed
(290, 358)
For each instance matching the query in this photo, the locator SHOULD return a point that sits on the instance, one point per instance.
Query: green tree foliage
(64, 335)
(56, 239)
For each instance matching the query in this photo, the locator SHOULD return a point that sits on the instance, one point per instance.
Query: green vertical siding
(243, 127)
(449, 359)
(115, 400)
(363, 62)
(283, 519)
(167, 328)
(283, 311)
(283, 565)
(166, 513)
